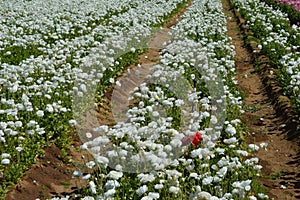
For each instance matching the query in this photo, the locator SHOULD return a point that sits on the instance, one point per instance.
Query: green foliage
(14, 55)
(294, 15)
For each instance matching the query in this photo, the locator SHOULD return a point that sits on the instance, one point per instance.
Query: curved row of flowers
(180, 141)
(36, 89)
(277, 40)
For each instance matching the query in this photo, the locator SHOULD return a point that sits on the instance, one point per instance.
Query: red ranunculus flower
(194, 139)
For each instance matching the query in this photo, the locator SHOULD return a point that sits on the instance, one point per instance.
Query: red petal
(199, 136)
(196, 139)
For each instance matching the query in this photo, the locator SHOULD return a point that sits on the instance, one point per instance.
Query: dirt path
(266, 122)
(51, 176)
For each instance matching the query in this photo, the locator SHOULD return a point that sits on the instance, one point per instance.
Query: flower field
(181, 135)
(277, 40)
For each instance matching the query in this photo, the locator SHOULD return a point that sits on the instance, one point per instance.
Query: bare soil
(269, 116)
(51, 175)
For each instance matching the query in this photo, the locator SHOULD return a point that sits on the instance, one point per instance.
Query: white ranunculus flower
(84, 198)
(230, 130)
(86, 177)
(141, 190)
(213, 119)
(203, 195)
(253, 147)
(115, 175)
(31, 123)
(5, 155)
(230, 140)
(18, 124)
(154, 195)
(5, 161)
(207, 180)
(19, 149)
(72, 122)
(77, 173)
(109, 193)
(90, 164)
(40, 113)
(155, 114)
(49, 108)
(93, 187)
(83, 88)
(144, 178)
(111, 80)
(174, 190)
(158, 186)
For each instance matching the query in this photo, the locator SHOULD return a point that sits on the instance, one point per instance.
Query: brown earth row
(269, 115)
